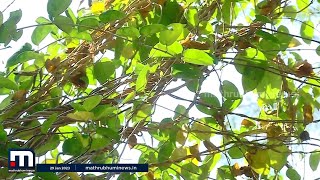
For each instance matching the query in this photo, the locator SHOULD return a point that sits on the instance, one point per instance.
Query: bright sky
(36, 8)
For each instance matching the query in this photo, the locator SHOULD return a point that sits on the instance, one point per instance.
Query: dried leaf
(210, 146)
(307, 114)
(194, 150)
(51, 65)
(273, 131)
(132, 141)
(78, 79)
(181, 138)
(19, 95)
(247, 171)
(236, 170)
(187, 43)
(303, 69)
(247, 123)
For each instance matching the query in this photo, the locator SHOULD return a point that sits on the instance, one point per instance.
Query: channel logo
(21, 160)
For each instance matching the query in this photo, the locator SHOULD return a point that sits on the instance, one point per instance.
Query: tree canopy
(96, 85)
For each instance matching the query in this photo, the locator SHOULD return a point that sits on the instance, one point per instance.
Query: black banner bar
(92, 167)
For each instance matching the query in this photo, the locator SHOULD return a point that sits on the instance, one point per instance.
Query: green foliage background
(69, 93)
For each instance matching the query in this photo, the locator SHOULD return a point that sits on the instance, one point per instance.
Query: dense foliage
(96, 86)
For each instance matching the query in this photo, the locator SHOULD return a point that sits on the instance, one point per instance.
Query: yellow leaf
(178, 153)
(194, 150)
(259, 161)
(73, 175)
(97, 7)
(81, 116)
(181, 138)
(294, 43)
(51, 161)
(129, 97)
(307, 113)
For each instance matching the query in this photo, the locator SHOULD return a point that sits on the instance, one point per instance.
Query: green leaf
(303, 4)
(211, 103)
(17, 35)
(165, 151)
(269, 48)
(290, 11)
(142, 79)
(77, 107)
(64, 23)
(81, 116)
(314, 160)
(231, 105)
(49, 145)
(168, 37)
(3, 134)
(23, 57)
(161, 50)
(42, 20)
(8, 30)
(111, 15)
(151, 29)
(39, 33)
(88, 24)
(224, 172)
(103, 111)
(92, 102)
(191, 15)
(198, 57)
(47, 123)
(12, 60)
(226, 12)
(15, 16)
(71, 15)
(263, 18)
(7, 83)
(318, 50)
(185, 71)
(283, 36)
(292, 174)
(108, 133)
(278, 155)
(99, 142)
(237, 152)
(56, 7)
(201, 131)
(229, 90)
(66, 130)
(103, 71)
(307, 31)
(1, 18)
(189, 171)
(259, 161)
(251, 79)
(131, 32)
(129, 97)
(72, 147)
(5, 102)
(47, 175)
(143, 111)
(80, 35)
(267, 36)
(245, 61)
(210, 162)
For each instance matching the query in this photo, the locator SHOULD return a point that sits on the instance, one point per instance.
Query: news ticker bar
(92, 167)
